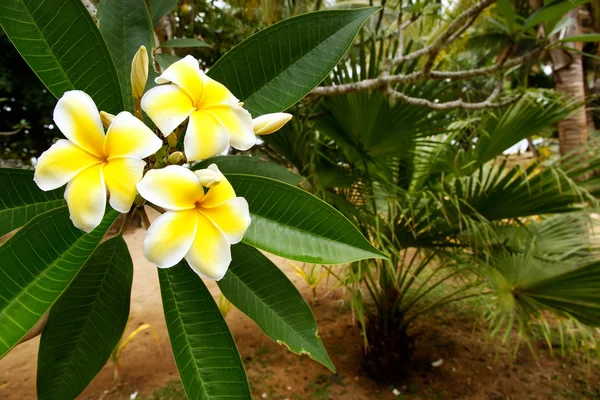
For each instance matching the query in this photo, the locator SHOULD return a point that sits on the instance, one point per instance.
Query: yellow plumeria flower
(92, 162)
(216, 119)
(198, 226)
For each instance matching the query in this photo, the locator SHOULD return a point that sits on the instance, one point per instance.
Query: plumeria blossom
(198, 225)
(92, 163)
(216, 118)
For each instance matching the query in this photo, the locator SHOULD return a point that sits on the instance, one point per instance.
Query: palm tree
(568, 69)
(434, 191)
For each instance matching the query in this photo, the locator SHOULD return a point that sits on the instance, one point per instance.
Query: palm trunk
(568, 70)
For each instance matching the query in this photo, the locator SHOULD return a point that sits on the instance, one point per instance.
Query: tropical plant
(82, 280)
(224, 305)
(312, 275)
(423, 175)
(117, 352)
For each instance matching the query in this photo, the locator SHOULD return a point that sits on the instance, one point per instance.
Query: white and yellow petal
(238, 123)
(231, 217)
(128, 136)
(170, 237)
(172, 188)
(186, 74)
(220, 193)
(86, 198)
(216, 93)
(167, 106)
(121, 176)
(210, 253)
(61, 163)
(205, 137)
(77, 117)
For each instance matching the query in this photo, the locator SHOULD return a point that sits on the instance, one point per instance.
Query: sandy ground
(470, 369)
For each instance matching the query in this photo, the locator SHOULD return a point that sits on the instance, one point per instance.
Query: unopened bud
(269, 123)
(208, 177)
(176, 158)
(139, 72)
(172, 140)
(106, 119)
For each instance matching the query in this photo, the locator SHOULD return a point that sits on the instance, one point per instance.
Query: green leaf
(552, 11)
(184, 42)
(279, 65)
(534, 285)
(21, 199)
(294, 224)
(260, 290)
(159, 8)
(60, 42)
(36, 266)
(586, 37)
(125, 26)
(508, 12)
(164, 60)
(576, 293)
(251, 166)
(206, 355)
(86, 323)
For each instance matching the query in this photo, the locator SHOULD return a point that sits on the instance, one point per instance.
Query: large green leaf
(260, 290)
(294, 224)
(36, 266)
(86, 323)
(158, 8)
(279, 65)
(251, 166)
(21, 199)
(60, 42)
(184, 43)
(125, 26)
(206, 355)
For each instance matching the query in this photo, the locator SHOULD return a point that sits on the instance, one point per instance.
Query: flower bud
(106, 119)
(175, 158)
(208, 177)
(269, 123)
(172, 140)
(139, 73)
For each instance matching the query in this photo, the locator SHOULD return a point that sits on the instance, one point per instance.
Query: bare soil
(470, 370)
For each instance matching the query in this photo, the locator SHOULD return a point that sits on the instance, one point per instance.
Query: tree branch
(490, 102)
(381, 81)
(442, 41)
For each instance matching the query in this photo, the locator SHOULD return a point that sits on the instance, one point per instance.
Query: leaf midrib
(189, 346)
(26, 205)
(41, 34)
(273, 312)
(24, 290)
(296, 60)
(275, 182)
(70, 361)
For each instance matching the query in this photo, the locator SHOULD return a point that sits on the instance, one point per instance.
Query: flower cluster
(203, 216)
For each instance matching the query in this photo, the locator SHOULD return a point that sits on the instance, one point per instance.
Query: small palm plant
(435, 192)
